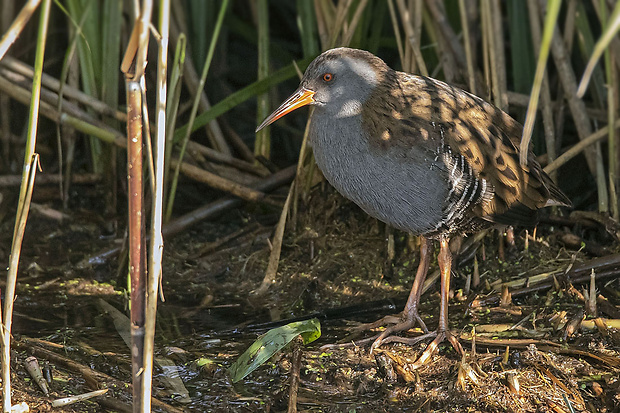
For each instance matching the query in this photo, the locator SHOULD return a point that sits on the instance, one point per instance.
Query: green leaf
(270, 343)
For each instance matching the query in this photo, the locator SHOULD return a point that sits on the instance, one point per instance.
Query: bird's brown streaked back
(416, 109)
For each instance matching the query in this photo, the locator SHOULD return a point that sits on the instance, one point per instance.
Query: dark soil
(336, 265)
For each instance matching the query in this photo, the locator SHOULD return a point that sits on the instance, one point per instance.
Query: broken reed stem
(18, 25)
(274, 257)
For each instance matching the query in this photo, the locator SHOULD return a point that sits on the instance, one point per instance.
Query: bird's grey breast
(404, 188)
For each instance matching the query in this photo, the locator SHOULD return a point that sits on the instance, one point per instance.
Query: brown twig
(208, 211)
(584, 144)
(69, 92)
(274, 257)
(48, 179)
(85, 123)
(605, 267)
(223, 158)
(218, 182)
(94, 379)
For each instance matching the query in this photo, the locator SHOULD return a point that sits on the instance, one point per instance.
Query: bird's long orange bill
(301, 97)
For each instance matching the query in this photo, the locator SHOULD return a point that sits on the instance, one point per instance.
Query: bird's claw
(431, 348)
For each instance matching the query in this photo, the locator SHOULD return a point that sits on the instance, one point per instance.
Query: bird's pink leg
(445, 264)
(409, 316)
(443, 332)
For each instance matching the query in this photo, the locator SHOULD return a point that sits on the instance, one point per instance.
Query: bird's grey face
(338, 82)
(340, 85)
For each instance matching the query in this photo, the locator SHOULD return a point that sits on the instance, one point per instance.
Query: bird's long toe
(438, 337)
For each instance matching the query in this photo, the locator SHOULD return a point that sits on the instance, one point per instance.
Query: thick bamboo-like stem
(25, 195)
(133, 65)
(137, 246)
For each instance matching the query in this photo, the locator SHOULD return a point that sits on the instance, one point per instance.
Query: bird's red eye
(328, 77)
